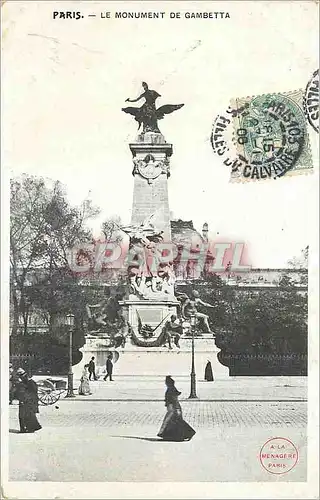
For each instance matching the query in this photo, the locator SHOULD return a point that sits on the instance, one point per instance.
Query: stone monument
(151, 298)
(143, 315)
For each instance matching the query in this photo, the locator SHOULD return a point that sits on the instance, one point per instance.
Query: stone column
(151, 170)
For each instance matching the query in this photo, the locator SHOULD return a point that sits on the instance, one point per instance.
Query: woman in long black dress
(27, 394)
(174, 428)
(208, 374)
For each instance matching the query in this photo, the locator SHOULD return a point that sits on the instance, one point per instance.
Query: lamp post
(70, 323)
(193, 393)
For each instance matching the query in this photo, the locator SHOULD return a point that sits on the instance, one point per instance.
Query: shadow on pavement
(14, 431)
(142, 438)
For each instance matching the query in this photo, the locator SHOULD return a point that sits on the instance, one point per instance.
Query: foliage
(43, 227)
(300, 262)
(256, 323)
(269, 322)
(45, 357)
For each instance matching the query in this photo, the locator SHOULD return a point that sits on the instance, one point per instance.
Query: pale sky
(65, 81)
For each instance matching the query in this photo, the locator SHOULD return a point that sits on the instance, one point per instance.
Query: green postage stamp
(270, 133)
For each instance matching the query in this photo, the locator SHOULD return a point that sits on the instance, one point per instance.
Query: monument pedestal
(155, 361)
(153, 313)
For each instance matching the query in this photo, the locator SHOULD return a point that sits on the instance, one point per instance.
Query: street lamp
(70, 323)
(193, 393)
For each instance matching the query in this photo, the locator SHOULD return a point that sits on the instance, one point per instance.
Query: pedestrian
(92, 369)
(208, 374)
(27, 394)
(84, 388)
(109, 368)
(13, 381)
(174, 428)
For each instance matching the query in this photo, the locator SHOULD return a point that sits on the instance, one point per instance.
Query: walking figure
(174, 428)
(109, 368)
(84, 388)
(13, 381)
(92, 369)
(27, 394)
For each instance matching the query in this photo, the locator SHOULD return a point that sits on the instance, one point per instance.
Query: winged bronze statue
(148, 114)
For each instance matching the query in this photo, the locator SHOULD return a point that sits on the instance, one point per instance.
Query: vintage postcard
(159, 300)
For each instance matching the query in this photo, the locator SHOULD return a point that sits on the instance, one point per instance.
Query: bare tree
(301, 261)
(43, 226)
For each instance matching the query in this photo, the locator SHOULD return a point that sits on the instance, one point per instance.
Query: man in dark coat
(13, 381)
(27, 394)
(109, 367)
(92, 369)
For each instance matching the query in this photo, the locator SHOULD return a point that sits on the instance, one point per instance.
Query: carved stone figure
(192, 305)
(147, 114)
(97, 315)
(149, 168)
(105, 313)
(150, 288)
(144, 233)
(143, 246)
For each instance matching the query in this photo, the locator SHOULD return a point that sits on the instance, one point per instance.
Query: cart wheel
(56, 396)
(49, 398)
(44, 397)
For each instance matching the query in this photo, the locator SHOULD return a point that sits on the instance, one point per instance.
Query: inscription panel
(150, 315)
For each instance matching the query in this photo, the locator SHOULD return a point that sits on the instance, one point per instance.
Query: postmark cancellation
(264, 137)
(271, 137)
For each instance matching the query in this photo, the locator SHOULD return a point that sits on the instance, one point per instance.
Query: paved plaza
(107, 437)
(232, 389)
